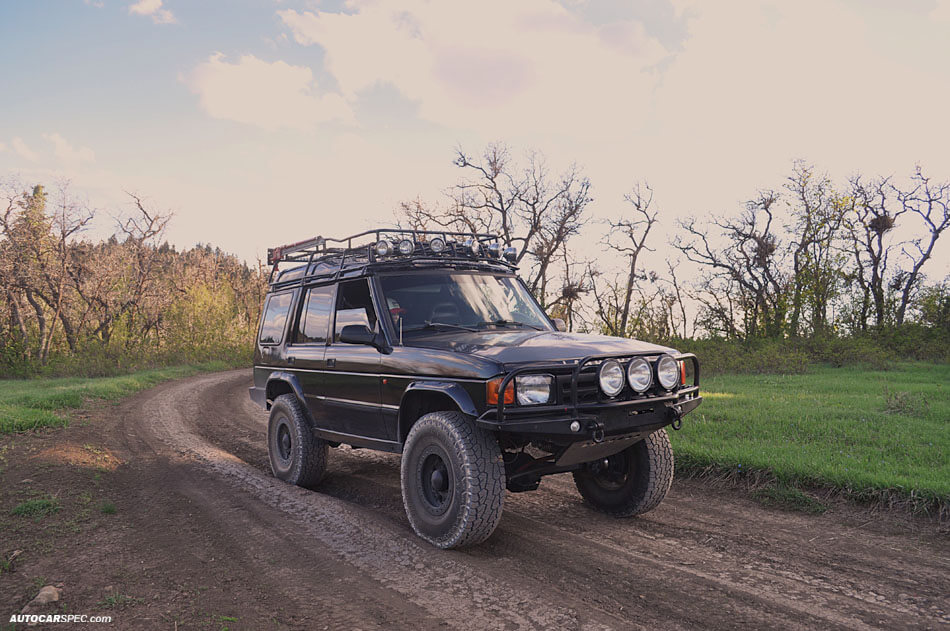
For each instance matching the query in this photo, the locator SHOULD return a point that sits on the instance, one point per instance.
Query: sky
(260, 122)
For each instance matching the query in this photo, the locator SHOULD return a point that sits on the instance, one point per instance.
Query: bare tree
(929, 201)
(531, 210)
(750, 263)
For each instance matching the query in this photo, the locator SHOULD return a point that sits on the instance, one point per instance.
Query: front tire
(631, 482)
(453, 480)
(297, 455)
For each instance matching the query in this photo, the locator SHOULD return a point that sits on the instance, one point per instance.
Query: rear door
(307, 350)
(351, 397)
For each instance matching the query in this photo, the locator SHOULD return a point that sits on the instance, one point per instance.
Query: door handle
(331, 363)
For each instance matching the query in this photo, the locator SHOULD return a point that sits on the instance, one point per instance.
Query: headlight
(667, 372)
(533, 389)
(639, 374)
(610, 377)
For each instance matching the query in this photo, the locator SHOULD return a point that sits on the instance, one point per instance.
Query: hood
(516, 347)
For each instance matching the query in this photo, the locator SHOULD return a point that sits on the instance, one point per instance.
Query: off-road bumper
(575, 420)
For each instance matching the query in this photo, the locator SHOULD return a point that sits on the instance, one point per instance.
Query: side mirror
(358, 334)
(559, 324)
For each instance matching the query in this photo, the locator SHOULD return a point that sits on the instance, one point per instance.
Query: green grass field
(34, 403)
(873, 433)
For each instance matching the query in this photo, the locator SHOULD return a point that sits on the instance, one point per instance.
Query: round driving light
(511, 254)
(575, 426)
(437, 245)
(383, 248)
(472, 245)
(610, 377)
(667, 372)
(494, 250)
(639, 375)
(406, 247)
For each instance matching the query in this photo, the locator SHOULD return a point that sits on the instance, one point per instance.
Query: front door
(351, 395)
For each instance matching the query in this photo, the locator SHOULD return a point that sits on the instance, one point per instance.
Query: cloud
(153, 9)
(268, 95)
(66, 152)
(23, 150)
(530, 66)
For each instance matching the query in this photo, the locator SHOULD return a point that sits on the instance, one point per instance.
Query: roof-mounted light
(472, 245)
(406, 247)
(511, 254)
(437, 245)
(383, 248)
(494, 250)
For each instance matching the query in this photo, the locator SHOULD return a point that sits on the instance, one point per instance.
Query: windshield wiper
(503, 322)
(434, 325)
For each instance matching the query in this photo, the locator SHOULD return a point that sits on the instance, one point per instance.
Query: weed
(37, 508)
(118, 601)
(107, 508)
(903, 402)
(789, 498)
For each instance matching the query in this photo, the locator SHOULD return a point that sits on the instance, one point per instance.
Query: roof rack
(388, 246)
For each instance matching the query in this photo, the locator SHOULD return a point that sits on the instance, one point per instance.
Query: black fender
(449, 389)
(291, 380)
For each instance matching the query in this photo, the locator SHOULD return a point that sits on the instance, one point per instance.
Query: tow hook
(676, 412)
(597, 429)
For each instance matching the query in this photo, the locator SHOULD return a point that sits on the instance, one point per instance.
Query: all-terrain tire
(635, 481)
(453, 480)
(297, 455)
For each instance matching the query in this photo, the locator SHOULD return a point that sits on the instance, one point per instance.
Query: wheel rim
(284, 441)
(611, 473)
(436, 483)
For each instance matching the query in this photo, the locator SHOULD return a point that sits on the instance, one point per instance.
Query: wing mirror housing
(559, 324)
(362, 334)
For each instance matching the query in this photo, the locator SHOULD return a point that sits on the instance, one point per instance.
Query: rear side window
(275, 317)
(354, 306)
(315, 317)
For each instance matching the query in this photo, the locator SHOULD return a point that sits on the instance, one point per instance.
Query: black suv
(427, 344)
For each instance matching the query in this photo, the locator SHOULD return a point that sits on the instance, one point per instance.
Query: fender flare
(451, 389)
(291, 380)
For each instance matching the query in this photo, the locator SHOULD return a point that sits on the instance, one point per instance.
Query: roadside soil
(203, 537)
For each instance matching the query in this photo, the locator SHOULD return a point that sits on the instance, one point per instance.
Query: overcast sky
(262, 122)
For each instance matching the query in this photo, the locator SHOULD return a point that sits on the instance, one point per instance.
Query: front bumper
(594, 420)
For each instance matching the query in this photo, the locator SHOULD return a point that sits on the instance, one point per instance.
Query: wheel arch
(280, 383)
(422, 397)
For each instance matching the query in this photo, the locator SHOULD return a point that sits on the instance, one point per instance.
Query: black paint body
(369, 396)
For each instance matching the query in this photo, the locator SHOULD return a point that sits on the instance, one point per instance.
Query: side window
(315, 318)
(353, 306)
(275, 317)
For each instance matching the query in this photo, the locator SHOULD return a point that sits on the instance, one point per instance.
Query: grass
(117, 601)
(35, 403)
(37, 508)
(872, 434)
(107, 508)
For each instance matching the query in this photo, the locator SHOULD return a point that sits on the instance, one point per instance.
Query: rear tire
(631, 482)
(297, 455)
(453, 480)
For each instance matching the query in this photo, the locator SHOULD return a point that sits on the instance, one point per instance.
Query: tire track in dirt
(555, 564)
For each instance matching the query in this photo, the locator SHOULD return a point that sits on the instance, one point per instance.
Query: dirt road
(205, 537)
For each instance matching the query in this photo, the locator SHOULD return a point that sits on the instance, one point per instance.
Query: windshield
(418, 302)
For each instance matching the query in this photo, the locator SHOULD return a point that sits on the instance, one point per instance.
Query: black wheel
(297, 456)
(631, 482)
(453, 480)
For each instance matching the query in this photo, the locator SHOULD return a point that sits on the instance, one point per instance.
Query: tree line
(70, 304)
(812, 258)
